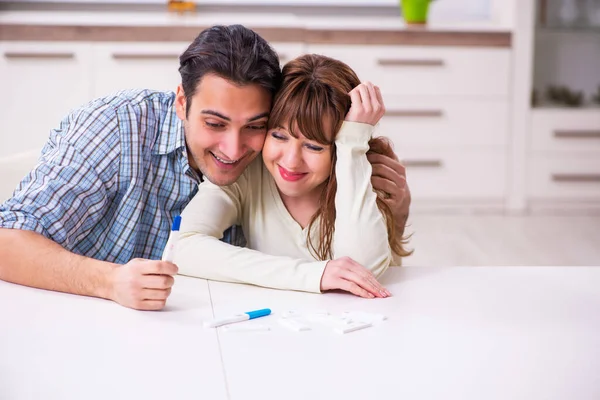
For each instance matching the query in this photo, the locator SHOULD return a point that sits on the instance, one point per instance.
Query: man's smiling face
(225, 127)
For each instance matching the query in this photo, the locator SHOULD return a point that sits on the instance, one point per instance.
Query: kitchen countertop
(283, 27)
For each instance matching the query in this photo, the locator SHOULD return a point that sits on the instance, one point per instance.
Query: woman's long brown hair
(314, 99)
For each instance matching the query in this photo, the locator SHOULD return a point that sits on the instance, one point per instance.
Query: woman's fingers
(379, 96)
(364, 278)
(355, 112)
(355, 97)
(366, 99)
(375, 104)
(362, 281)
(353, 288)
(367, 275)
(346, 274)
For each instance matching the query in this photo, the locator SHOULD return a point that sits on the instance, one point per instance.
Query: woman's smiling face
(299, 166)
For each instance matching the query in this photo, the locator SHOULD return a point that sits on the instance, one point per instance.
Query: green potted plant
(415, 12)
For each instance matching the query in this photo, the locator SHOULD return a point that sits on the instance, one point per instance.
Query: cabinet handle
(407, 62)
(576, 177)
(145, 56)
(422, 163)
(38, 54)
(415, 113)
(577, 134)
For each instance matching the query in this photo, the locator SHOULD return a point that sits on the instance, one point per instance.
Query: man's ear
(180, 103)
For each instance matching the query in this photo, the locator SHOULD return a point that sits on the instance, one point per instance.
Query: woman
(308, 210)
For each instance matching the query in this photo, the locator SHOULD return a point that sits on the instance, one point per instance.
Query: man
(93, 217)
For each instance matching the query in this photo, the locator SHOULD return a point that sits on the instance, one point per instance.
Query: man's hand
(389, 176)
(142, 284)
(346, 274)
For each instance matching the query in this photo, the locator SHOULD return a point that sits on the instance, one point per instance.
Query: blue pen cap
(259, 313)
(176, 223)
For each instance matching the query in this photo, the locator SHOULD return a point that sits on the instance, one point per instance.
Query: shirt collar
(170, 136)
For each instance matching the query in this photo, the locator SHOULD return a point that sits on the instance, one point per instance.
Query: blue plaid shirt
(110, 179)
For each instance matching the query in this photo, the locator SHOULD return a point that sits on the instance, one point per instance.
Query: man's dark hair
(232, 52)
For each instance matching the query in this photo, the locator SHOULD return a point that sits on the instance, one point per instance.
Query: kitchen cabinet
(40, 82)
(446, 115)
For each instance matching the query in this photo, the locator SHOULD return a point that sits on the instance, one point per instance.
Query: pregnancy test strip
(294, 324)
(355, 326)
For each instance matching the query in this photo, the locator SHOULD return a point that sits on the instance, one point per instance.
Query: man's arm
(28, 258)
(58, 202)
(389, 175)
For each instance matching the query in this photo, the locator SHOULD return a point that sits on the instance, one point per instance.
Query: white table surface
(452, 333)
(59, 346)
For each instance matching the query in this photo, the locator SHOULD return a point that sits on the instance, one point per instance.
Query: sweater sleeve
(200, 253)
(360, 228)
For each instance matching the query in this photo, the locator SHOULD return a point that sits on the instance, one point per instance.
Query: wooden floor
(487, 240)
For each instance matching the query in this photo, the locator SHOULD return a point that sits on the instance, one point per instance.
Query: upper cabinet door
(40, 83)
(119, 66)
(427, 71)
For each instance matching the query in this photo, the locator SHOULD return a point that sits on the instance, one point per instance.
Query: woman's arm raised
(360, 227)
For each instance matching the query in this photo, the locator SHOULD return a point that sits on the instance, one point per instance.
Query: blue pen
(237, 318)
(169, 254)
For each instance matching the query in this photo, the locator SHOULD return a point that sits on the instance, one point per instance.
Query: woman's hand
(346, 274)
(367, 104)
